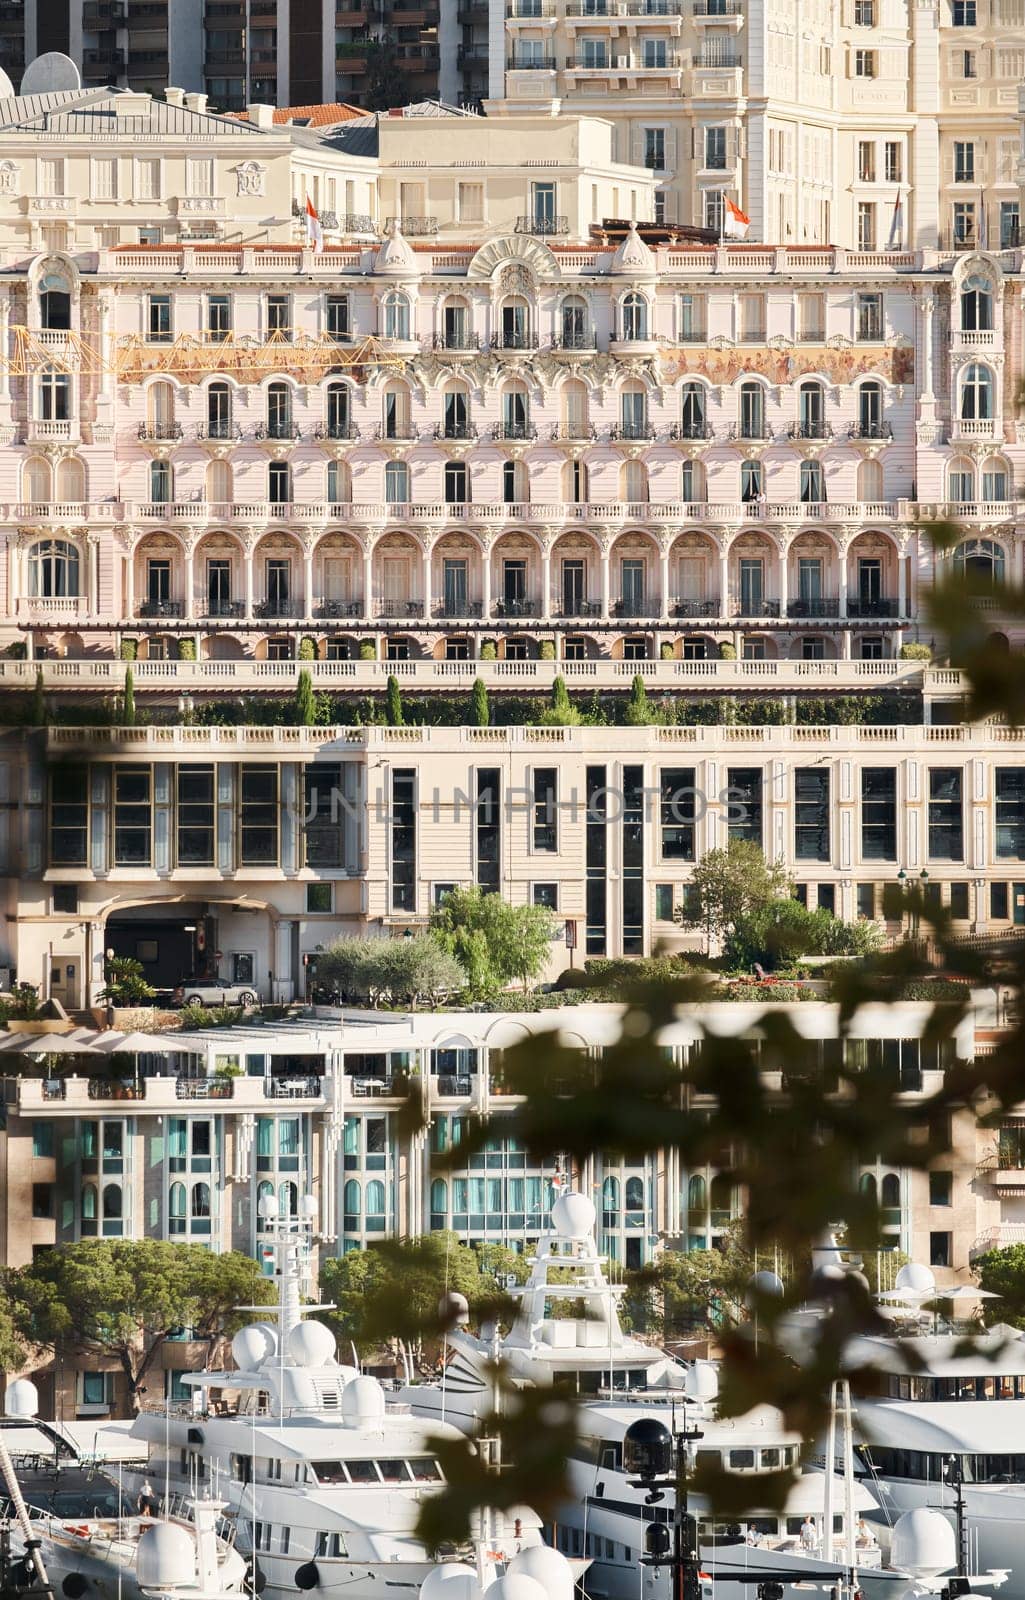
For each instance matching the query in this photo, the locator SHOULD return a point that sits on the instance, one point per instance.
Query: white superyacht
(325, 1483)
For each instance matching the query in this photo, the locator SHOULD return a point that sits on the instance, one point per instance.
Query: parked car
(213, 992)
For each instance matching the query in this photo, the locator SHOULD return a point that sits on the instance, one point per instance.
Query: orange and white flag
(735, 222)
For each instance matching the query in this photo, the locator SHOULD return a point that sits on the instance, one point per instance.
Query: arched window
(395, 419)
(574, 333)
(867, 1185)
(515, 483)
(751, 481)
(870, 411)
(692, 482)
(339, 483)
(573, 406)
(890, 1193)
(288, 1199)
(720, 1197)
(161, 482)
(352, 1203)
(576, 482)
(53, 570)
(71, 481)
(635, 317)
(279, 482)
(981, 557)
(439, 1202)
(697, 1194)
(635, 1194)
(279, 411)
(812, 411)
(869, 480)
(200, 1199)
(264, 1190)
(610, 1202)
(176, 1222)
(339, 421)
(813, 483)
(160, 410)
(37, 481)
(219, 480)
(455, 325)
(961, 483)
(633, 412)
(396, 315)
(752, 411)
(516, 412)
(977, 393)
(693, 418)
(515, 330)
(88, 1208)
(396, 483)
(455, 404)
(995, 480)
(218, 411)
(633, 482)
(375, 1194)
(54, 302)
(457, 484)
(976, 306)
(112, 1202)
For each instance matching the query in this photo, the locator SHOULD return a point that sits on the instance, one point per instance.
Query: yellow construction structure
(132, 359)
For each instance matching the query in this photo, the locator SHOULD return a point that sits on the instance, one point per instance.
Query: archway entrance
(171, 942)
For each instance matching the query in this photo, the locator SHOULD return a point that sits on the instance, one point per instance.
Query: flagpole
(722, 217)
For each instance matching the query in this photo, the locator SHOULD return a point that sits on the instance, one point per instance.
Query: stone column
(663, 609)
(843, 583)
(190, 585)
(428, 593)
(308, 585)
(606, 600)
(902, 584)
(784, 576)
(247, 568)
(546, 583)
(130, 581)
(724, 583)
(368, 583)
(485, 580)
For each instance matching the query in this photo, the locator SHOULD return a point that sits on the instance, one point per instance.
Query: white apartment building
(814, 116)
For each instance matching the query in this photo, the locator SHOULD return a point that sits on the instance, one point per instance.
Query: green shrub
(915, 652)
(367, 650)
(307, 648)
(393, 703)
(561, 713)
(480, 714)
(547, 650)
(196, 1017)
(186, 649)
(666, 651)
(727, 651)
(126, 983)
(489, 650)
(130, 650)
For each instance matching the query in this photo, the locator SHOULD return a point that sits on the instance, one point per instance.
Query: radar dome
(453, 1580)
(166, 1557)
(515, 1586)
(573, 1217)
(547, 1567)
(6, 86)
(49, 72)
(702, 1381)
(916, 1279)
(310, 1344)
(21, 1399)
(253, 1345)
(454, 1310)
(362, 1403)
(764, 1286)
(924, 1543)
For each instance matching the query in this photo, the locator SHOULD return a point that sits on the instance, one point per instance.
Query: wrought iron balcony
(691, 430)
(574, 431)
(453, 340)
(632, 430)
(161, 608)
(339, 608)
(870, 430)
(580, 608)
(455, 430)
(156, 432)
(634, 608)
(459, 608)
(413, 227)
(396, 432)
(810, 428)
(355, 222)
(530, 64)
(224, 608)
(514, 430)
(514, 340)
(277, 430)
(858, 608)
(757, 608)
(543, 227)
(696, 608)
(218, 430)
(819, 607)
(516, 608)
(753, 430)
(277, 608)
(336, 430)
(393, 609)
(575, 339)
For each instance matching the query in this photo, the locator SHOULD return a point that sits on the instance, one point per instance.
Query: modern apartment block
(187, 1155)
(815, 117)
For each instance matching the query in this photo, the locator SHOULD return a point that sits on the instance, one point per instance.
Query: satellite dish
(50, 73)
(6, 86)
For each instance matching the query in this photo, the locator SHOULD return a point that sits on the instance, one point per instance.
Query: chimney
(196, 102)
(261, 116)
(131, 104)
(174, 97)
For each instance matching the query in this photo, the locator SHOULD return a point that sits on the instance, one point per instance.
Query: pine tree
(37, 711)
(393, 703)
(638, 711)
(305, 700)
(560, 697)
(128, 703)
(480, 711)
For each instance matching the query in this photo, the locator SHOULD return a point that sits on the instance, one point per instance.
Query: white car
(213, 992)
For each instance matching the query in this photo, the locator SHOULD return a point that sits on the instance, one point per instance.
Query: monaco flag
(314, 231)
(735, 222)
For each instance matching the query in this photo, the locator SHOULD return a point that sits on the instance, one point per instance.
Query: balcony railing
(543, 227)
(218, 430)
(749, 430)
(454, 340)
(514, 430)
(718, 8)
(396, 610)
(530, 64)
(819, 607)
(224, 608)
(153, 432)
(579, 608)
(573, 431)
(339, 608)
(692, 430)
(336, 430)
(162, 608)
(858, 608)
(635, 608)
(666, 62)
(514, 340)
(695, 608)
(397, 432)
(810, 428)
(355, 222)
(459, 608)
(708, 56)
(455, 430)
(516, 608)
(575, 339)
(413, 227)
(632, 430)
(277, 430)
(757, 608)
(278, 608)
(870, 430)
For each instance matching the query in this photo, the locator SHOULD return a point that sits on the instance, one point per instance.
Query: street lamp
(657, 1459)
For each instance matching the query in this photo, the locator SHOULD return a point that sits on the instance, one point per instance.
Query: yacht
(568, 1330)
(323, 1479)
(72, 1532)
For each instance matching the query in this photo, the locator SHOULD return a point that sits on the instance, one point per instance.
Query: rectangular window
(51, 175)
(218, 317)
(939, 1249)
(962, 13)
(158, 319)
(279, 315)
(595, 854)
(337, 317)
(959, 901)
(866, 900)
(676, 813)
(403, 839)
(864, 63)
(866, 161)
(319, 897)
(196, 816)
(893, 161)
(941, 1188)
(147, 178)
(545, 817)
(470, 202)
(1009, 795)
(633, 861)
(879, 814)
(964, 161)
(104, 178)
(752, 318)
(133, 822)
(655, 149)
(692, 318)
(946, 829)
(199, 176)
(488, 829)
(547, 895)
(258, 816)
(869, 308)
(664, 899)
(715, 149)
(745, 811)
(998, 902)
(69, 816)
(42, 1139)
(864, 13)
(965, 59)
(811, 814)
(325, 815)
(866, 225)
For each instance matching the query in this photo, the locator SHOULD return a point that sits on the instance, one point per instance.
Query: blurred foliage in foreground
(777, 1120)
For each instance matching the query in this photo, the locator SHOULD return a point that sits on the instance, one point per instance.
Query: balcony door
(218, 586)
(809, 579)
(455, 588)
(158, 582)
(279, 576)
(752, 585)
(395, 584)
(573, 595)
(632, 576)
(692, 578)
(514, 582)
(870, 580)
(337, 582)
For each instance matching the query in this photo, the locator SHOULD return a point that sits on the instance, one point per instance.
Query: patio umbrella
(45, 1044)
(136, 1044)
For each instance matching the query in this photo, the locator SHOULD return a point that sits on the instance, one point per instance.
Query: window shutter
(670, 149)
(637, 145)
